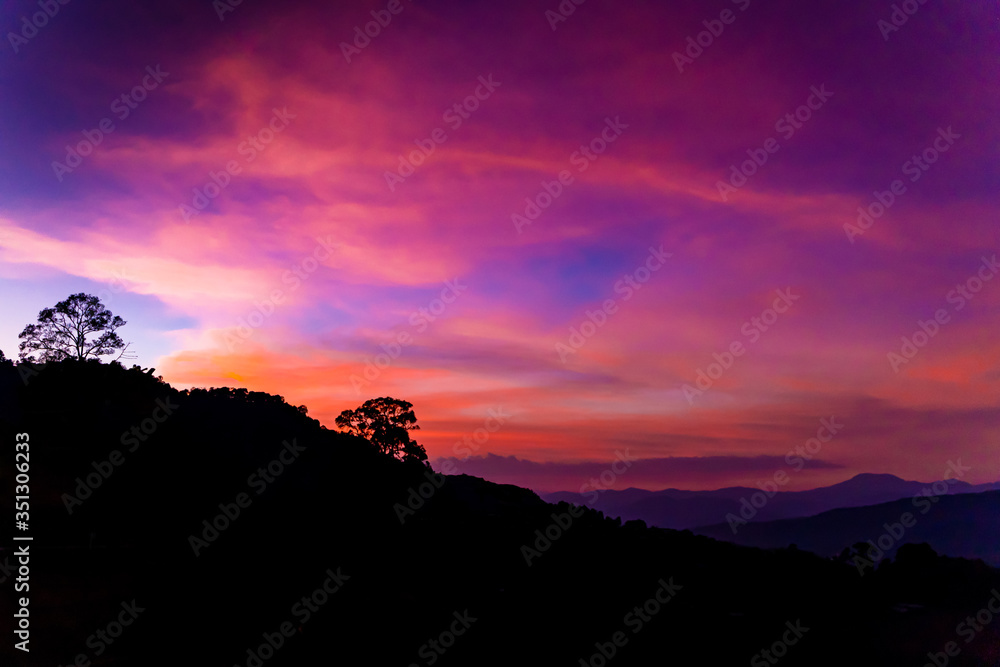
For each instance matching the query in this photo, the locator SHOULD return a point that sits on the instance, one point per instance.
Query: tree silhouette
(63, 332)
(386, 423)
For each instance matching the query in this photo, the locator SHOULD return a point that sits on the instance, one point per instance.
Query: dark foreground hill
(318, 568)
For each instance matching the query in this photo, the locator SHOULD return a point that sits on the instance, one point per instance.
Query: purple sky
(483, 208)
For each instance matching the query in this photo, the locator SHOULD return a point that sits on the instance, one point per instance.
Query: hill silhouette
(363, 559)
(966, 524)
(680, 509)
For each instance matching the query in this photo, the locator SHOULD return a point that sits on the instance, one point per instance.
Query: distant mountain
(678, 509)
(965, 525)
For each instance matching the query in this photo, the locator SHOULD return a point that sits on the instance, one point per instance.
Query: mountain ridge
(934, 520)
(680, 509)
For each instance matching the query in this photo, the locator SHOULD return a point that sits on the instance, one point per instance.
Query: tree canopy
(385, 422)
(79, 327)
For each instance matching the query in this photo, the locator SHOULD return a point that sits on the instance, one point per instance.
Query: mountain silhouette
(673, 508)
(233, 529)
(966, 524)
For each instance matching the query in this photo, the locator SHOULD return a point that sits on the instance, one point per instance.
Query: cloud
(391, 250)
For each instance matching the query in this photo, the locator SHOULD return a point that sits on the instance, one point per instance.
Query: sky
(693, 237)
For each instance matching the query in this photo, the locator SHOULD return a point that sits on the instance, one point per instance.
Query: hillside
(467, 578)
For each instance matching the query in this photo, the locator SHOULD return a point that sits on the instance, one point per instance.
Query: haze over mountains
(824, 520)
(680, 509)
(963, 524)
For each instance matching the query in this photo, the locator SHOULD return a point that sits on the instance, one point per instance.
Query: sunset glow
(557, 239)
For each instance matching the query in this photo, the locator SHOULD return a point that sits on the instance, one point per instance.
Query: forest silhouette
(194, 521)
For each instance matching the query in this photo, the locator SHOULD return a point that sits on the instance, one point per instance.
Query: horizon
(480, 466)
(243, 506)
(603, 243)
(757, 488)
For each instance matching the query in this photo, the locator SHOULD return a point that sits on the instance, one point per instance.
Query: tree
(386, 423)
(64, 332)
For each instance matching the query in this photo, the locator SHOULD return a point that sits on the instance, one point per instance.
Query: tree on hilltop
(386, 423)
(66, 331)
